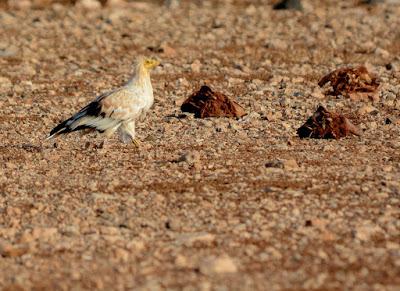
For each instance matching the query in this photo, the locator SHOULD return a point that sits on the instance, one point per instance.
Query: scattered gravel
(196, 207)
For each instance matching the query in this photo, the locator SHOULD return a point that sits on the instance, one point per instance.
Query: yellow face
(150, 63)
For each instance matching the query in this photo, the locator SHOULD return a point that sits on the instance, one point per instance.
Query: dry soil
(206, 204)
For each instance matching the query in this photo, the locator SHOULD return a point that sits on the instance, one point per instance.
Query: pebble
(366, 109)
(120, 217)
(196, 66)
(136, 245)
(88, 5)
(289, 164)
(116, 3)
(192, 158)
(367, 230)
(189, 239)
(219, 265)
(5, 85)
(13, 250)
(121, 255)
(20, 4)
(39, 233)
(181, 261)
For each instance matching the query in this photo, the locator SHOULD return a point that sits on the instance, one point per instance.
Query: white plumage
(118, 109)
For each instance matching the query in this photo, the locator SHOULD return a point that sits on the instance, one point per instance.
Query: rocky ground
(206, 204)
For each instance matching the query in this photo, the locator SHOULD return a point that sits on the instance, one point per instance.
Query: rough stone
(356, 83)
(207, 103)
(189, 239)
(219, 265)
(325, 124)
(13, 250)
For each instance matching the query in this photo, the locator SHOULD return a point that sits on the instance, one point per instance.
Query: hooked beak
(157, 63)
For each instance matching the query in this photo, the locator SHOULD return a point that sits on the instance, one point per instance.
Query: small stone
(367, 230)
(5, 85)
(181, 261)
(135, 245)
(290, 164)
(18, 89)
(168, 51)
(173, 224)
(308, 223)
(88, 5)
(277, 44)
(44, 233)
(381, 195)
(371, 2)
(182, 82)
(389, 66)
(389, 120)
(109, 230)
(266, 234)
(116, 3)
(121, 254)
(192, 158)
(75, 275)
(196, 66)
(6, 52)
(41, 3)
(189, 239)
(19, 4)
(28, 70)
(10, 250)
(318, 94)
(274, 253)
(366, 109)
(220, 265)
(70, 230)
(273, 116)
(57, 7)
(382, 53)
(288, 4)
(364, 96)
(172, 4)
(39, 234)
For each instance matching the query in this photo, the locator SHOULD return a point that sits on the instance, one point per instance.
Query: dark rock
(356, 83)
(327, 125)
(371, 2)
(207, 103)
(288, 4)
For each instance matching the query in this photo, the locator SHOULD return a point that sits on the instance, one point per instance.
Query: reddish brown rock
(356, 83)
(207, 103)
(325, 124)
(9, 250)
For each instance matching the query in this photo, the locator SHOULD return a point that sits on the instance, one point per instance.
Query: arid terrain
(205, 204)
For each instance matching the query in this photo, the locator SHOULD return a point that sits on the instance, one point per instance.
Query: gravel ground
(206, 204)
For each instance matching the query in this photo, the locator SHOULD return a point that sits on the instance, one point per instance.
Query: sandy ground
(196, 208)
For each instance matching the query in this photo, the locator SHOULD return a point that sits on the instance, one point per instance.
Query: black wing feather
(92, 109)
